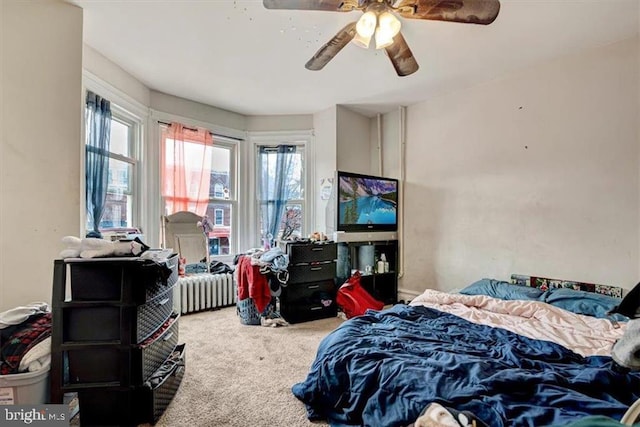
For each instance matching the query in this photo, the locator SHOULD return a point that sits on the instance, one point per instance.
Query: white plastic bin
(27, 388)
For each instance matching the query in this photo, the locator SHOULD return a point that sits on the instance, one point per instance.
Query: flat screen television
(366, 203)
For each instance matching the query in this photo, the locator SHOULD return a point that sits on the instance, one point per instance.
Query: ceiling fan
(379, 22)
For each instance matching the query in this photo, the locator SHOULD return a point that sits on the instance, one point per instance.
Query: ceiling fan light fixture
(380, 18)
(361, 41)
(388, 28)
(383, 40)
(365, 28)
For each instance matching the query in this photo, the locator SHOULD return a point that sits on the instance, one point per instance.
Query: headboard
(182, 234)
(545, 283)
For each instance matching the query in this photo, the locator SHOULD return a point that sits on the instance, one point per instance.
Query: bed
(508, 354)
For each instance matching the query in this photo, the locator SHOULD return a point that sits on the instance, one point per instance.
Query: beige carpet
(238, 375)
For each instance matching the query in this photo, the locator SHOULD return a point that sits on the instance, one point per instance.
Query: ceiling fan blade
(327, 5)
(401, 56)
(331, 48)
(482, 12)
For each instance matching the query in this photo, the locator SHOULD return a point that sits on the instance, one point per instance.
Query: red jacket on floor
(252, 283)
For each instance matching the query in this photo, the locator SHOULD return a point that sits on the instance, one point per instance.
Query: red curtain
(186, 168)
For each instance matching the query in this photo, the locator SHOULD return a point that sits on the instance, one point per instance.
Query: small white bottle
(383, 264)
(379, 266)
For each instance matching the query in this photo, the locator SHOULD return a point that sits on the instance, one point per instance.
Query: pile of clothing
(25, 339)
(215, 267)
(260, 275)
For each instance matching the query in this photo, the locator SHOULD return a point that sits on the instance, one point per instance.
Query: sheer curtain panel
(186, 156)
(98, 131)
(274, 190)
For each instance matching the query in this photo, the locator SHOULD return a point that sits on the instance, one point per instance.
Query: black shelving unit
(113, 330)
(352, 256)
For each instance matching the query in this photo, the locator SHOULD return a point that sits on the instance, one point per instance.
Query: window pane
(220, 173)
(120, 176)
(291, 223)
(220, 236)
(118, 211)
(221, 159)
(119, 143)
(294, 183)
(295, 186)
(187, 155)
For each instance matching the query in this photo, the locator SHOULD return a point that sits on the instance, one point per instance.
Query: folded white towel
(38, 357)
(626, 351)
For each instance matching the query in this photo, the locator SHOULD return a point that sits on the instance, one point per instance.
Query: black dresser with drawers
(115, 338)
(310, 292)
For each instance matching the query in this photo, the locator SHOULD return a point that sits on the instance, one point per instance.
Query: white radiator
(197, 292)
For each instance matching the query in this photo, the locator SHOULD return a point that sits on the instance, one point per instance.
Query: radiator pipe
(401, 160)
(379, 117)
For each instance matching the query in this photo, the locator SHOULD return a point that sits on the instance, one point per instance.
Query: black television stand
(363, 255)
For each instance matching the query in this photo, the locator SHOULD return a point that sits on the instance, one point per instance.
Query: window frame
(120, 115)
(232, 200)
(231, 143)
(215, 217)
(215, 191)
(130, 112)
(271, 139)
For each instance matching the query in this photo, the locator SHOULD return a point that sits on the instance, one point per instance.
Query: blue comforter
(383, 368)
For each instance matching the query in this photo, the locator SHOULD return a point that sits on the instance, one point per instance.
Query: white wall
(536, 173)
(390, 144)
(41, 143)
(197, 111)
(353, 141)
(104, 69)
(280, 123)
(324, 125)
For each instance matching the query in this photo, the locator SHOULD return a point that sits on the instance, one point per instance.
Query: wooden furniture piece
(382, 285)
(310, 292)
(115, 338)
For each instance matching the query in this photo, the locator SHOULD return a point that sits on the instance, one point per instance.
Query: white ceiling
(239, 56)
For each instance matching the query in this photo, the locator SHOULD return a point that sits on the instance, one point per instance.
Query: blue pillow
(503, 290)
(581, 302)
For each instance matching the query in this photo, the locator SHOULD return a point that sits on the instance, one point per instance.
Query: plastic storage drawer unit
(135, 405)
(115, 322)
(308, 253)
(310, 291)
(126, 365)
(123, 280)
